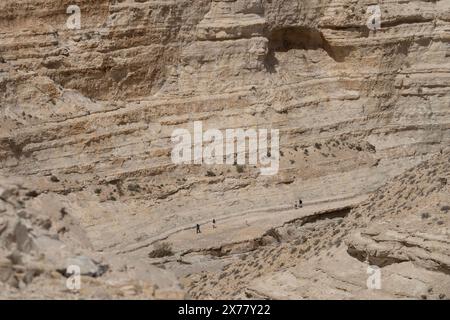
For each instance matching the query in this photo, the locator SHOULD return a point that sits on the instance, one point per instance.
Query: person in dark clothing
(214, 223)
(300, 203)
(198, 228)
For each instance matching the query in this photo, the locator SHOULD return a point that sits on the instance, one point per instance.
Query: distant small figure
(300, 203)
(198, 228)
(63, 212)
(214, 223)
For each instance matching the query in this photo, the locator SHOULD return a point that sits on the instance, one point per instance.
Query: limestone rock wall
(88, 113)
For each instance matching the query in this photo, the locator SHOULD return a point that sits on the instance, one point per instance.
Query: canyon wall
(87, 115)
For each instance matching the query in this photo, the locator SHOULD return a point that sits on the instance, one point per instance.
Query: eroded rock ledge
(86, 117)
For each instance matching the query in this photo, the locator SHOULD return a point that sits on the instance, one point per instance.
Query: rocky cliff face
(87, 114)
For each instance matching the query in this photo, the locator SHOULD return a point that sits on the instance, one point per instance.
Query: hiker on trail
(214, 223)
(300, 203)
(198, 228)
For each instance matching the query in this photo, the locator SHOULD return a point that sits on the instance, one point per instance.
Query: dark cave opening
(300, 38)
(285, 39)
